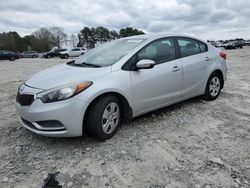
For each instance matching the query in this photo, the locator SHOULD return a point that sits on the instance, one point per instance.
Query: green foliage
(11, 41)
(89, 37)
(41, 40)
(129, 31)
(44, 39)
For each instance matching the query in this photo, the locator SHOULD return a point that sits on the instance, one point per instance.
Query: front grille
(24, 99)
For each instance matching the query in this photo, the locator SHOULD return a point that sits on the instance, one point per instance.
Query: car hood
(65, 74)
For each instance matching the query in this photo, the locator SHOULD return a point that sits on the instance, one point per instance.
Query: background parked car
(53, 53)
(7, 55)
(233, 45)
(29, 54)
(247, 43)
(74, 52)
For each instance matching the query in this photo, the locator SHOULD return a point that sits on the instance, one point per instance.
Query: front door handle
(176, 68)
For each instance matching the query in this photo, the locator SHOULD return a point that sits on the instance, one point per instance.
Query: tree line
(89, 37)
(41, 40)
(45, 38)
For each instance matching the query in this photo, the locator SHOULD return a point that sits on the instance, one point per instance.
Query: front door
(161, 85)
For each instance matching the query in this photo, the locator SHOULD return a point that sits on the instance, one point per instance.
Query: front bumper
(67, 114)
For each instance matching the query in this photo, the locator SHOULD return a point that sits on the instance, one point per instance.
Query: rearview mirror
(145, 64)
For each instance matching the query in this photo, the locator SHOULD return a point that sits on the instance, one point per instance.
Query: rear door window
(76, 49)
(203, 47)
(6, 52)
(190, 47)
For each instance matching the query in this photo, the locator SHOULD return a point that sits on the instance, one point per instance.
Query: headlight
(62, 93)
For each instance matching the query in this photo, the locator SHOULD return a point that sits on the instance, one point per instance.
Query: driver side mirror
(145, 64)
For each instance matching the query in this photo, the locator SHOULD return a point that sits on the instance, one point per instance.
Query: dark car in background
(8, 55)
(247, 43)
(53, 53)
(233, 45)
(29, 54)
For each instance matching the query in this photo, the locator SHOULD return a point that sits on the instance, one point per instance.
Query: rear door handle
(207, 59)
(176, 68)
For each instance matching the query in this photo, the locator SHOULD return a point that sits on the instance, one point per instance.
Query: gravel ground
(191, 144)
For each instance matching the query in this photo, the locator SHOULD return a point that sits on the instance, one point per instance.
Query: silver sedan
(118, 81)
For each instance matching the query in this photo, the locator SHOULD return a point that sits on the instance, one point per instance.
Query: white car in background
(73, 52)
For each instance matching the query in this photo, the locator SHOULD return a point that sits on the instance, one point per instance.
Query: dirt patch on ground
(191, 144)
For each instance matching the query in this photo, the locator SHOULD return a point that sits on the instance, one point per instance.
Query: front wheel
(12, 58)
(104, 117)
(213, 88)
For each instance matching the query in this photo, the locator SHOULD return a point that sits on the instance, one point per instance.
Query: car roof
(157, 36)
(6, 51)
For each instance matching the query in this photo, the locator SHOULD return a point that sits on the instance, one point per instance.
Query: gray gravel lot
(191, 144)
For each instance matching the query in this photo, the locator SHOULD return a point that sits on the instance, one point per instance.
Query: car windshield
(109, 53)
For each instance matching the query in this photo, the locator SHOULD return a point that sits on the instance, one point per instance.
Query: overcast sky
(208, 19)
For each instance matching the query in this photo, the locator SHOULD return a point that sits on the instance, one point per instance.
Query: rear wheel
(66, 56)
(12, 58)
(213, 87)
(104, 117)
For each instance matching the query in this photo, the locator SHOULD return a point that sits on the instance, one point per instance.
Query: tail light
(223, 55)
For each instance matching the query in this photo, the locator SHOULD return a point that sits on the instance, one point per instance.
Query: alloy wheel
(110, 118)
(214, 86)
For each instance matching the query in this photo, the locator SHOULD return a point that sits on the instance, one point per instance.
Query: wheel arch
(127, 112)
(218, 71)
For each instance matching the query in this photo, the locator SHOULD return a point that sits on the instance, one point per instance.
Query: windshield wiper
(91, 65)
(83, 64)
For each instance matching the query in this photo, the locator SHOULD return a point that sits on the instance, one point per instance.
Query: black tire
(66, 56)
(12, 58)
(95, 119)
(208, 93)
(33, 56)
(48, 56)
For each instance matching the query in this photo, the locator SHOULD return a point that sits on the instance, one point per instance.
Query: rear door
(195, 58)
(75, 52)
(28, 54)
(161, 85)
